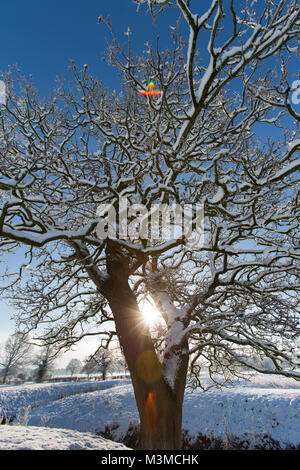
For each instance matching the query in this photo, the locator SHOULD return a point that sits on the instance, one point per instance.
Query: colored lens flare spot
(148, 367)
(150, 414)
(151, 90)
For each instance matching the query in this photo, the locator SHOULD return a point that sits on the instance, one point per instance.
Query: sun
(149, 311)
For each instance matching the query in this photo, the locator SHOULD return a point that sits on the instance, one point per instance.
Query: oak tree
(221, 136)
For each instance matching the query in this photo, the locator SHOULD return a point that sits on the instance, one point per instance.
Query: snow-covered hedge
(16, 400)
(263, 413)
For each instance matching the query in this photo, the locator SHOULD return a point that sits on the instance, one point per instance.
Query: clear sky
(41, 37)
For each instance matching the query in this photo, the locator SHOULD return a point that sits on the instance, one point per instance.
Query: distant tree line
(19, 361)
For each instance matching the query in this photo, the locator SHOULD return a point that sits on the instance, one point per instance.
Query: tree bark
(161, 419)
(160, 407)
(4, 376)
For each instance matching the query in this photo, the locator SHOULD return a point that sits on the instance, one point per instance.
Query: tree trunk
(161, 417)
(160, 407)
(5, 374)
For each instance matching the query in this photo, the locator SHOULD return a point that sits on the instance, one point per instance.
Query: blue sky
(42, 37)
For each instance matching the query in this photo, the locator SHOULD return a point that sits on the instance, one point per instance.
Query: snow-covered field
(70, 415)
(39, 438)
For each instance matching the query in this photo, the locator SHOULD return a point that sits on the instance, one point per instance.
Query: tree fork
(160, 407)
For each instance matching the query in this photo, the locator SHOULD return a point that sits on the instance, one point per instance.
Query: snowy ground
(39, 438)
(69, 415)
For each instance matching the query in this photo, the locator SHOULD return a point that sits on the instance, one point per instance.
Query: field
(260, 413)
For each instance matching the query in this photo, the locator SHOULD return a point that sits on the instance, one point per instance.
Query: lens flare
(150, 414)
(148, 366)
(151, 90)
(150, 313)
